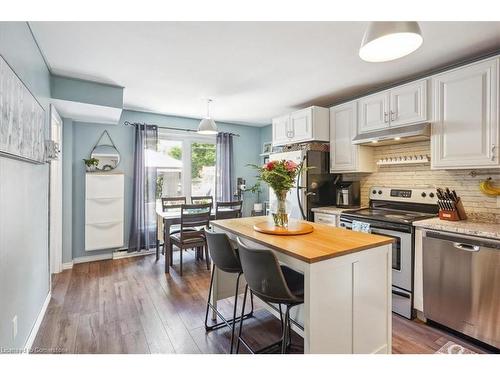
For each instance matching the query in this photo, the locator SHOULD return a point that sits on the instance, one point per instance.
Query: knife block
(456, 214)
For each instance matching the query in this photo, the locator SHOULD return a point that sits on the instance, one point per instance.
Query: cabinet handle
(385, 117)
(493, 148)
(393, 116)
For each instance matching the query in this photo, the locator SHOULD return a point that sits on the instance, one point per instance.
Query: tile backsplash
(479, 207)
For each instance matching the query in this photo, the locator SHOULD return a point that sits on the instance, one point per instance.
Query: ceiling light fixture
(386, 41)
(207, 125)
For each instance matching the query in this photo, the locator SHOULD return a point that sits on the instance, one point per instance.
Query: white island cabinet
(347, 284)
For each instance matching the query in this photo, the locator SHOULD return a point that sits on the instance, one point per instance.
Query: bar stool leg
(209, 296)
(241, 319)
(180, 254)
(208, 259)
(234, 312)
(285, 330)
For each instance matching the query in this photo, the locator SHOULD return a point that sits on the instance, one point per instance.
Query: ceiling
(253, 70)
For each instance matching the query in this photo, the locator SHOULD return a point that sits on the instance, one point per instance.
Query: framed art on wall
(22, 119)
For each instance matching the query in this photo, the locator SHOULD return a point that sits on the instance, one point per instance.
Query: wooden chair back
(228, 210)
(202, 199)
(172, 203)
(194, 216)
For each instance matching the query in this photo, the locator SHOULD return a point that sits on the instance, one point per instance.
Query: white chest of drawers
(104, 208)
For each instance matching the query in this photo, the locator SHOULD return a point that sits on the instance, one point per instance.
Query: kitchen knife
(455, 196)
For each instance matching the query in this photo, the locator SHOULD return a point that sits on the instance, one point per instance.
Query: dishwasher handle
(467, 243)
(466, 246)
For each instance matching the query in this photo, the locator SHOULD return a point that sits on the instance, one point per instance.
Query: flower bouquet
(280, 175)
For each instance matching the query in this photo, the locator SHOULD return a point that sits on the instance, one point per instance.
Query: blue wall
(265, 136)
(24, 254)
(84, 135)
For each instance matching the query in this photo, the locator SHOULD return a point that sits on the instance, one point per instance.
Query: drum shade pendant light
(207, 125)
(386, 41)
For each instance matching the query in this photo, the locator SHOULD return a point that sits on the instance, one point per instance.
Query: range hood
(404, 134)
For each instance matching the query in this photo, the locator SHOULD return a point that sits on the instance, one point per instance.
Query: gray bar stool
(272, 283)
(225, 258)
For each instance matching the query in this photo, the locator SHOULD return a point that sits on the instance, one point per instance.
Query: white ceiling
(253, 70)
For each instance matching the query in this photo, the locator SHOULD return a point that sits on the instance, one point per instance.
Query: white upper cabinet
(409, 104)
(344, 156)
(281, 130)
(305, 125)
(374, 112)
(399, 106)
(465, 132)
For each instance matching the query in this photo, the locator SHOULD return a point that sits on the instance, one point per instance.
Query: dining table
(165, 220)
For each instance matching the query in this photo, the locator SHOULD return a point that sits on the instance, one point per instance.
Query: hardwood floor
(130, 306)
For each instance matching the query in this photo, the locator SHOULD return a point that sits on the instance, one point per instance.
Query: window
(186, 164)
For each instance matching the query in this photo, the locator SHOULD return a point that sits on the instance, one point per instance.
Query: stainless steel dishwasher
(462, 284)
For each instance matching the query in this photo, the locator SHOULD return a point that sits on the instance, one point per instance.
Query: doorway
(55, 194)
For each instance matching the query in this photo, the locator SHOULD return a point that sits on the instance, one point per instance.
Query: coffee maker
(348, 194)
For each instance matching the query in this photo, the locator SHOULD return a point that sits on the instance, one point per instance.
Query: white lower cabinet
(344, 156)
(104, 209)
(328, 219)
(465, 131)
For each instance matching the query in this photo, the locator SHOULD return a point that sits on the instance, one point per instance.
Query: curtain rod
(170, 128)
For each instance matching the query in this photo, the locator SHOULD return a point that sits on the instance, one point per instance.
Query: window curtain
(224, 168)
(143, 225)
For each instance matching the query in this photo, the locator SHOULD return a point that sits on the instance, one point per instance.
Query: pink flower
(290, 166)
(270, 166)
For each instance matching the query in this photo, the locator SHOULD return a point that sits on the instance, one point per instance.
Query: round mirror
(107, 155)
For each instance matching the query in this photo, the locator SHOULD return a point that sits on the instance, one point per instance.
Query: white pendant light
(207, 125)
(386, 41)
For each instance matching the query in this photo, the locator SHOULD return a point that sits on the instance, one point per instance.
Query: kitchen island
(347, 291)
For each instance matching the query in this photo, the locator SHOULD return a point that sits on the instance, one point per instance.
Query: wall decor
(106, 154)
(22, 119)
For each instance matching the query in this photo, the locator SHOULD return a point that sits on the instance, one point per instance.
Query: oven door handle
(401, 294)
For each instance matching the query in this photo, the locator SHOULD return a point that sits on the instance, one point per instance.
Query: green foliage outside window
(202, 154)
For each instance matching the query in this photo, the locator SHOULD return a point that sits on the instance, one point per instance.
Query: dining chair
(202, 199)
(194, 219)
(228, 210)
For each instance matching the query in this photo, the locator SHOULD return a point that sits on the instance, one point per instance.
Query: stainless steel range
(391, 213)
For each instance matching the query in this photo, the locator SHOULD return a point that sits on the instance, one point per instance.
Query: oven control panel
(424, 195)
(400, 193)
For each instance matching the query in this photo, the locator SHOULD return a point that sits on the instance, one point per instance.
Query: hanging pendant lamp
(207, 125)
(386, 41)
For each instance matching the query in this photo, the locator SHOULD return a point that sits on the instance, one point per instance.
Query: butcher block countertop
(323, 243)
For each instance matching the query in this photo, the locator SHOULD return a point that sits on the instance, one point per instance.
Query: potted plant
(255, 189)
(280, 175)
(91, 164)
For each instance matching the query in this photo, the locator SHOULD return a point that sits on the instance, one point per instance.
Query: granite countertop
(332, 210)
(472, 228)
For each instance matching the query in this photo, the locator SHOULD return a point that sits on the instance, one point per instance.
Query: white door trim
(55, 203)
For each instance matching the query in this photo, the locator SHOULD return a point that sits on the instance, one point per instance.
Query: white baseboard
(67, 266)
(92, 258)
(38, 323)
(124, 254)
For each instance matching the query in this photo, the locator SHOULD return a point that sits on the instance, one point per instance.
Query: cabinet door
(301, 125)
(281, 131)
(409, 104)
(328, 219)
(342, 131)
(374, 112)
(465, 132)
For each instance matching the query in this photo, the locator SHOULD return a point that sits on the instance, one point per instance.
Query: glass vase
(280, 215)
